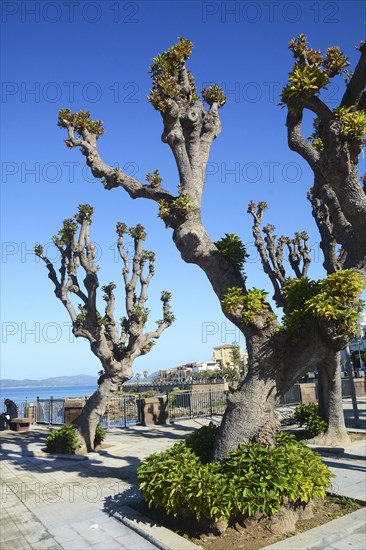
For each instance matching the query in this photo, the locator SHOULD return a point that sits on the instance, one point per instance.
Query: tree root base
(330, 440)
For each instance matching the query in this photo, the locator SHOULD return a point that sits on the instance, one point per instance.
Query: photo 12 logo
(270, 12)
(69, 92)
(70, 11)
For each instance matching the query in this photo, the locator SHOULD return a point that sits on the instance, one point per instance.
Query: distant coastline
(56, 381)
(30, 394)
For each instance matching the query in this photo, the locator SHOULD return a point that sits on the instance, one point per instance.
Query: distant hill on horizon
(75, 380)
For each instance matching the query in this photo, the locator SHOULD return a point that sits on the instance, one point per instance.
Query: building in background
(204, 366)
(223, 355)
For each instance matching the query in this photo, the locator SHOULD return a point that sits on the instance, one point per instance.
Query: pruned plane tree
(332, 152)
(278, 357)
(116, 343)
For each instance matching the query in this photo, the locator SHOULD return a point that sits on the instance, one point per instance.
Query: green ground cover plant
(307, 414)
(255, 478)
(65, 440)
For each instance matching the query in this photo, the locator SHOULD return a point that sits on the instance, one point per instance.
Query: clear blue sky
(95, 56)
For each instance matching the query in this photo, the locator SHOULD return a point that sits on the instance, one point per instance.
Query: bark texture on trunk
(96, 406)
(275, 364)
(248, 411)
(331, 400)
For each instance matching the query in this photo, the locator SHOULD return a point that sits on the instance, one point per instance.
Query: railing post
(167, 400)
(139, 417)
(210, 398)
(189, 395)
(37, 408)
(50, 410)
(125, 410)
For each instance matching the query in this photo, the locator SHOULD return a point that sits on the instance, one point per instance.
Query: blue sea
(44, 392)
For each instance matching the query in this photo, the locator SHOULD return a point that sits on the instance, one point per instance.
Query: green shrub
(304, 411)
(315, 425)
(63, 440)
(307, 414)
(255, 478)
(202, 441)
(100, 435)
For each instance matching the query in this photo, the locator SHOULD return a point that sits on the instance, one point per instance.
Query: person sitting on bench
(11, 412)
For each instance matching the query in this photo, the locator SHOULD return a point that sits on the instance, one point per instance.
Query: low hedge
(64, 440)
(255, 478)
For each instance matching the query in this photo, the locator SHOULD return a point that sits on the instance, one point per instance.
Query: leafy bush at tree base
(202, 441)
(255, 478)
(100, 435)
(307, 414)
(65, 440)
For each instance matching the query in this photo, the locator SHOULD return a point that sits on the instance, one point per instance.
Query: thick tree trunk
(94, 409)
(323, 395)
(275, 366)
(248, 410)
(330, 402)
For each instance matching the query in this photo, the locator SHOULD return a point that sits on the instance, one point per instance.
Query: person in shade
(10, 412)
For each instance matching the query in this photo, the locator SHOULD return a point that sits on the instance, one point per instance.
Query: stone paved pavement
(78, 504)
(58, 503)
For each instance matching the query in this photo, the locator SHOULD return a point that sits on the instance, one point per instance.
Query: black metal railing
(196, 404)
(125, 410)
(50, 411)
(121, 411)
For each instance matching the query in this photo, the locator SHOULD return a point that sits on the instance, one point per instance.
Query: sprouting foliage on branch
(232, 247)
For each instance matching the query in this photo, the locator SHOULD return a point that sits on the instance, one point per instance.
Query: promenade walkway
(81, 503)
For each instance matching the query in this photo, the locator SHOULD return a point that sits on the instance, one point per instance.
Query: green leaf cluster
(80, 317)
(300, 50)
(335, 298)
(335, 61)
(307, 414)
(338, 299)
(85, 212)
(305, 81)
(108, 291)
(201, 442)
(66, 233)
(140, 313)
(255, 478)
(154, 179)
(251, 304)
(234, 299)
(38, 249)
(181, 206)
(232, 247)
(137, 232)
(311, 72)
(100, 435)
(296, 293)
(354, 122)
(121, 229)
(63, 440)
(214, 94)
(165, 72)
(80, 121)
